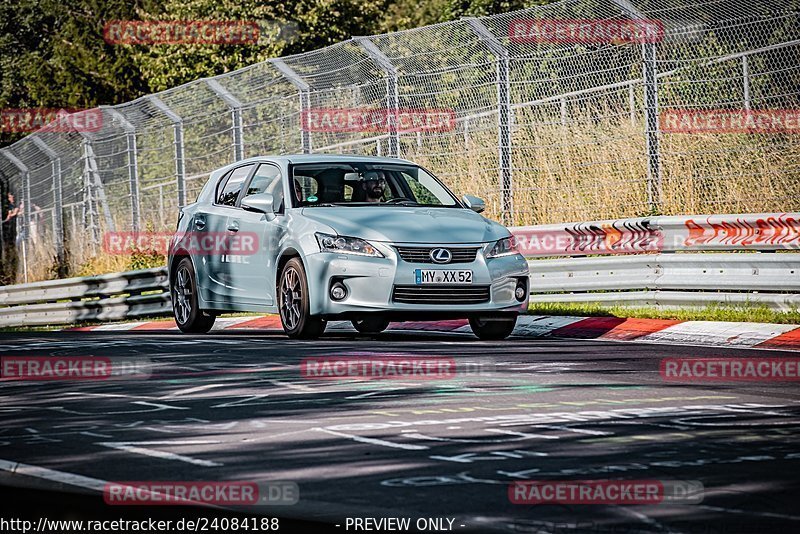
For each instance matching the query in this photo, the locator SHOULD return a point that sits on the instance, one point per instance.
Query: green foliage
(52, 54)
(285, 29)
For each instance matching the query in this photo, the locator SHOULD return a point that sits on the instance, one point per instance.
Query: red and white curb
(711, 333)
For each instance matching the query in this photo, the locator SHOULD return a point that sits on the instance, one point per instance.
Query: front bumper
(370, 284)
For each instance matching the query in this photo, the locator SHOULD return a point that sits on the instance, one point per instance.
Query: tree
(286, 29)
(52, 54)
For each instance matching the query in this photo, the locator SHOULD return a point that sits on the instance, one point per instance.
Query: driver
(374, 185)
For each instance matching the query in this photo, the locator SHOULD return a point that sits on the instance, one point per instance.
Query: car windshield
(367, 184)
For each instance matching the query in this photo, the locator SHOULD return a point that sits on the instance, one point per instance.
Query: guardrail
(109, 297)
(690, 261)
(653, 261)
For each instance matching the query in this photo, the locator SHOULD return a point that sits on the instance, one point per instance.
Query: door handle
(199, 223)
(233, 226)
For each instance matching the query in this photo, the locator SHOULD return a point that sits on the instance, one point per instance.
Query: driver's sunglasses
(379, 180)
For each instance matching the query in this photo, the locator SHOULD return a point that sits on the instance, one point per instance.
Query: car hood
(401, 224)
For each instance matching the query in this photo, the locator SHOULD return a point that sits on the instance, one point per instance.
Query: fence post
(651, 131)
(305, 100)
(503, 116)
(94, 182)
(236, 115)
(58, 203)
(26, 215)
(392, 96)
(746, 82)
(177, 125)
(632, 103)
(651, 127)
(133, 166)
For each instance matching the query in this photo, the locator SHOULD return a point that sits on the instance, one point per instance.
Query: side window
(227, 193)
(305, 189)
(267, 179)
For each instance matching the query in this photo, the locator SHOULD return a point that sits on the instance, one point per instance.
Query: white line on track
(61, 477)
(188, 391)
(374, 441)
(134, 447)
(289, 385)
(371, 393)
(94, 435)
(747, 512)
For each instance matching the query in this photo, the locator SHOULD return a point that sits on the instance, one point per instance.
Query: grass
(594, 167)
(590, 168)
(755, 314)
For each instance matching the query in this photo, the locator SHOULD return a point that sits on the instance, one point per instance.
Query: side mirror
(262, 203)
(474, 203)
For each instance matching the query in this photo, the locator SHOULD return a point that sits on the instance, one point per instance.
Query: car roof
(326, 158)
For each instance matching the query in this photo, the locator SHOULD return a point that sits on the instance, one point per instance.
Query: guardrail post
(236, 116)
(133, 165)
(305, 100)
(58, 204)
(392, 96)
(26, 214)
(177, 127)
(503, 116)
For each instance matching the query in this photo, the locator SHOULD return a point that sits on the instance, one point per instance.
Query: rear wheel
(293, 303)
(188, 315)
(493, 327)
(370, 325)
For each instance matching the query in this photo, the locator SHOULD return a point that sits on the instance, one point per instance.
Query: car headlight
(346, 245)
(505, 247)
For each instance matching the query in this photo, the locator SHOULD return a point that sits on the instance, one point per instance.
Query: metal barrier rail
(670, 280)
(108, 297)
(690, 261)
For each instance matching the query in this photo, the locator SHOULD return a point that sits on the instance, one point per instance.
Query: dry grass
(587, 169)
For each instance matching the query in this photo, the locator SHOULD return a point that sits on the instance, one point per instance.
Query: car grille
(423, 254)
(440, 294)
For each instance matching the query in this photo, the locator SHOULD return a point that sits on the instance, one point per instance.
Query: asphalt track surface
(234, 406)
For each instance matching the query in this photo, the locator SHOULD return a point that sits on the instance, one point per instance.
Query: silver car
(322, 237)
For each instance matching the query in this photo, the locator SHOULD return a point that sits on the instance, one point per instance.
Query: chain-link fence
(545, 129)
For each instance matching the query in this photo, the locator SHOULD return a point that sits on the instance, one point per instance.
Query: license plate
(436, 276)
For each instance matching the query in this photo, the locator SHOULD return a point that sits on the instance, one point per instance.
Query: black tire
(185, 308)
(492, 328)
(370, 325)
(293, 303)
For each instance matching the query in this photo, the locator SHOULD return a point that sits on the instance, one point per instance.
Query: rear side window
(229, 188)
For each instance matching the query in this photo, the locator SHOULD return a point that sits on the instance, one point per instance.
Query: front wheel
(188, 315)
(370, 325)
(489, 328)
(293, 303)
